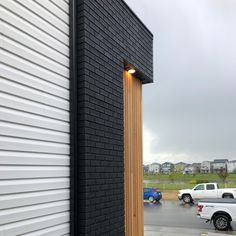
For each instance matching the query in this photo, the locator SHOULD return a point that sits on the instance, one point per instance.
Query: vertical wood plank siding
(133, 155)
(34, 118)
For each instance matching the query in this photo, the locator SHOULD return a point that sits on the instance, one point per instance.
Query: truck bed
(218, 200)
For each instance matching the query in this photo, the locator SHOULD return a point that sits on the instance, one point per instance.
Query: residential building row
(186, 168)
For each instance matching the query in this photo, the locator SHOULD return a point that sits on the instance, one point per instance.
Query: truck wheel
(151, 199)
(228, 196)
(221, 222)
(187, 198)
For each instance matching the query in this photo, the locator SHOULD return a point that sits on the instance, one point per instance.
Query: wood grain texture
(133, 155)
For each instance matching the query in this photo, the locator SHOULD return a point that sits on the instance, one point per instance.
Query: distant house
(179, 167)
(231, 166)
(197, 167)
(145, 168)
(219, 164)
(188, 170)
(206, 167)
(192, 169)
(167, 167)
(154, 168)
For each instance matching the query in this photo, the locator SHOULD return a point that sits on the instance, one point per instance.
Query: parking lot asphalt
(175, 231)
(173, 216)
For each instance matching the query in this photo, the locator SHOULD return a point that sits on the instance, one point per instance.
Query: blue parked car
(152, 194)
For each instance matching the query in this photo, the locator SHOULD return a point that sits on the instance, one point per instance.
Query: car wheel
(151, 199)
(221, 222)
(228, 196)
(187, 198)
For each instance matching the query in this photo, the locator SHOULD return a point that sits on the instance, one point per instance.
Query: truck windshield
(217, 186)
(199, 187)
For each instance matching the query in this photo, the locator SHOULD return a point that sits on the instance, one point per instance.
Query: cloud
(149, 140)
(150, 155)
(190, 110)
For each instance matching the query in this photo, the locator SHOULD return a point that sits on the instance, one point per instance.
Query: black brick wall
(108, 33)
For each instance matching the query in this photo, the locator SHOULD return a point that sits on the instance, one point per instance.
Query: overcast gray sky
(189, 113)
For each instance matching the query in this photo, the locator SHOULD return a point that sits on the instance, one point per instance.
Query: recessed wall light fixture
(131, 70)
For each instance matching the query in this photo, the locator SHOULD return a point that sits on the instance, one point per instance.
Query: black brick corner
(108, 33)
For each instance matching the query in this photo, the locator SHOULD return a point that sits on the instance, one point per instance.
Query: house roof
(167, 163)
(181, 163)
(220, 160)
(233, 161)
(155, 163)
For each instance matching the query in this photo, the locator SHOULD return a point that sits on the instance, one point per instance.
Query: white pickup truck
(206, 190)
(220, 211)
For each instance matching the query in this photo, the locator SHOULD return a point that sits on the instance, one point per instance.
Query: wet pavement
(167, 218)
(175, 231)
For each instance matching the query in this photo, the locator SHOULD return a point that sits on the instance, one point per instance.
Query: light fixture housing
(131, 70)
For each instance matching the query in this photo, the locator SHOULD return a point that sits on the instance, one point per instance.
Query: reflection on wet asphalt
(175, 214)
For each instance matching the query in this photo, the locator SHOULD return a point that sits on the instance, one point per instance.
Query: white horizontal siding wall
(34, 117)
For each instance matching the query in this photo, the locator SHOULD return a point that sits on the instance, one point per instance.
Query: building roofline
(136, 16)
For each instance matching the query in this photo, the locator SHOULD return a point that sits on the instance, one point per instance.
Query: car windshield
(156, 190)
(200, 187)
